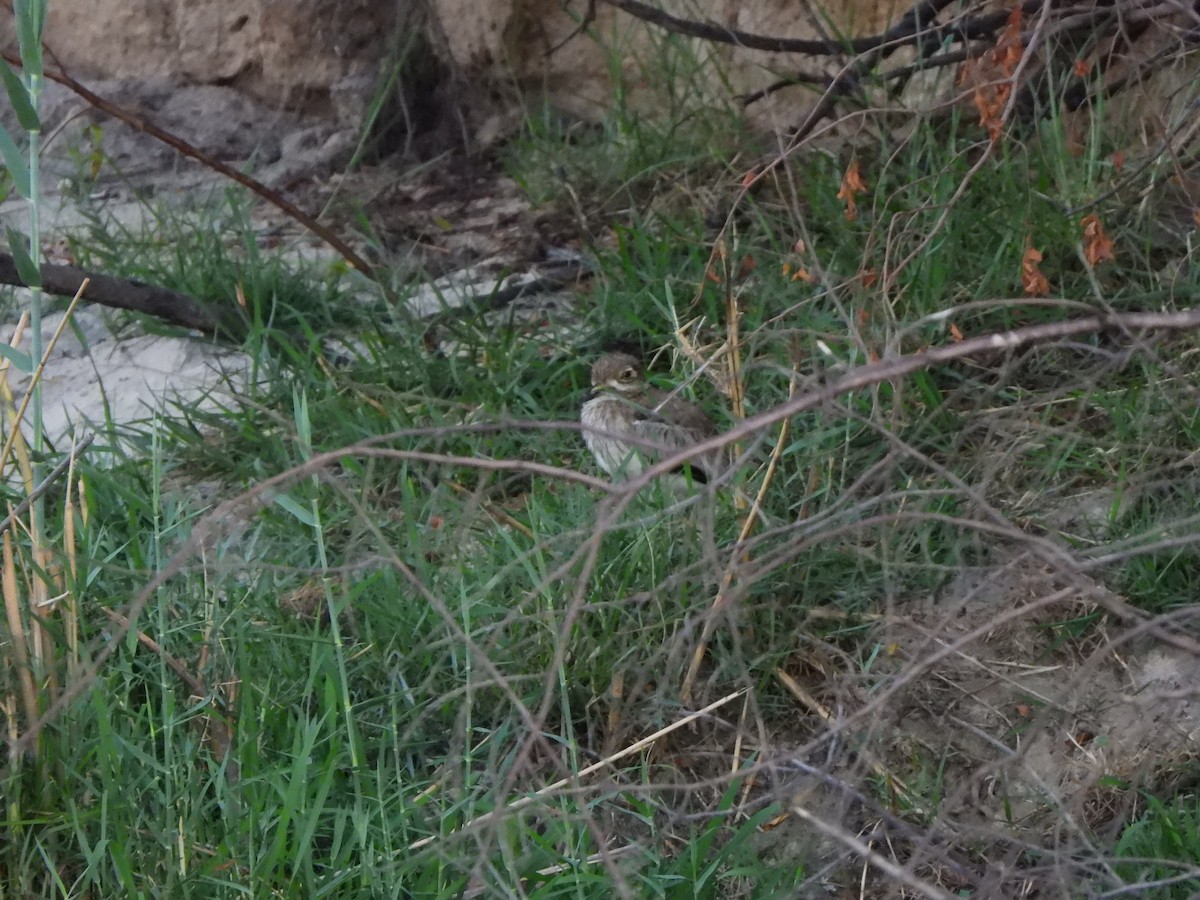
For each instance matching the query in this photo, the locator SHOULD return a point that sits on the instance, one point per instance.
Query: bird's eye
(628, 374)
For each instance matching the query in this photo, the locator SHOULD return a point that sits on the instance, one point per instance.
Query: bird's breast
(605, 419)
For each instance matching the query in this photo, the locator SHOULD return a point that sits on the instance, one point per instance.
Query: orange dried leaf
(956, 334)
(712, 276)
(852, 179)
(992, 75)
(1097, 246)
(1008, 46)
(989, 101)
(965, 71)
(1118, 161)
(1083, 68)
(1196, 216)
(749, 177)
(863, 316)
(749, 264)
(775, 822)
(869, 277)
(785, 270)
(802, 274)
(852, 186)
(1085, 737)
(1033, 282)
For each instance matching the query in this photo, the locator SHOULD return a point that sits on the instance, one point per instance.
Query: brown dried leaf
(992, 74)
(1097, 246)
(1034, 283)
(990, 100)
(852, 186)
(1009, 47)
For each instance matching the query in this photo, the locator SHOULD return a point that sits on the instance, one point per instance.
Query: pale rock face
(288, 50)
(99, 378)
(311, 55)
(281, 51)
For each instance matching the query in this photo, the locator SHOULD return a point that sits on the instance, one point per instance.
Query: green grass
(388, 661)
(1165, 843)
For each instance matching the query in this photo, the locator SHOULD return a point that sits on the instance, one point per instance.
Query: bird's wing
(668, 438)
(683, 414)
(664, 436)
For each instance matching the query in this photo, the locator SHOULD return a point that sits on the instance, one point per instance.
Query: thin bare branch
(143, 125)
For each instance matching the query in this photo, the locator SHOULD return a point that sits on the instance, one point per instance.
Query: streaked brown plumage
(628, 423)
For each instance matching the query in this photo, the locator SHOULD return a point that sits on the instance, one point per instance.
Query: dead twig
(913, 28)
(594, 767)
(194, 684)
(68, 461)
(739, 555)
(900, 366)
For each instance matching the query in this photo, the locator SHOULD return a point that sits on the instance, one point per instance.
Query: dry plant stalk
(16, 629)
(747, 526)
(16, 438)
(32, 641)
(608, 760)
(15, 419)
(69, 607)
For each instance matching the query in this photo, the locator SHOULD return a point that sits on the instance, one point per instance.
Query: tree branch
(913, 28)
(324, 232)
(897, 367)
(123, 293)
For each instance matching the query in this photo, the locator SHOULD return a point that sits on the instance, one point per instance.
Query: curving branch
(948, 43)
(324, 232)
(915, 27)
(1129, 325)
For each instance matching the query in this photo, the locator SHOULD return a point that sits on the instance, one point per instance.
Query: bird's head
(619, 373)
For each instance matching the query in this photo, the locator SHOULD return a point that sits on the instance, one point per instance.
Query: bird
(628, 424)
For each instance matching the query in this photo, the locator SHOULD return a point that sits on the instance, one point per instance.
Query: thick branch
(121, 293)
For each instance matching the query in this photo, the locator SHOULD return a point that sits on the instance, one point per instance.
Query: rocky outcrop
(288, 51)
(325, 55)
(457, 65)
